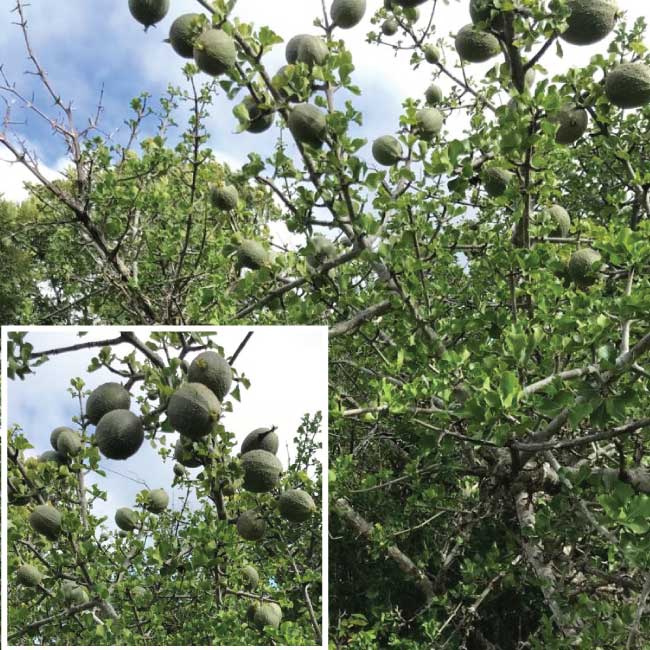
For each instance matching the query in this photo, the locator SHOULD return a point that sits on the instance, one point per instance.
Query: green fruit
(68, 443)
(476, 46)
(250, 612)
(280, 79)
(182, 34)
(323, 250)
(347, 13)
(293, 45)
(590, 21)
(259, 120)
(230, 488)
(496, 181)
(312, 51)
(389, 27)
(433, 94)
(411, 14)
(29, 576)
(119, 434)
(387, 150)
(214, 52)
(582, 266)
(481, 11)
(431, 53)
(560, 217)
(79, 596)
(66, 589)
(139, 593)
(105, 398)
(179, 470)
(261, 470)
(148, 12)
(126, 519)
(52, 457)
(193, 409)
(184, 453)
(224, 197)
(268, 614)
(252, 255)
(408, 3)
(54, 436)
(213, 371)
(263, 438)
(428, 122)
(296, 505)
(250, 576)
(46, 520)
(308, 124)
(157, 501)
(251, 526)
(573, 122)
(628, 85)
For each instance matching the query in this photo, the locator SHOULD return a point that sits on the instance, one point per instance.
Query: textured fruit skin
(214, 52)
(296, 505)
(293, 44)
(250, 576)
(212, 370)
(250, 612)
(148, 12)
(182, 34)
(261, 470)
(476, 46)
(387, 150)
(119, 434)
(389, 27)
(66, 588)
(79, 596)
(252, 255)
(347, 13)
(431, 53)
(28, 576)
(157, 501)
(259, 120)
(496, 181)
(179, 470)
(429, 122)
(105, 398)
(54, 436)
(312, 50)
(193, 409)
(433, 95)
(184, 453)
(480, 11)
(126, 519)
(560, 217)
(251, 526)
(224, 197)
(573, 122)
(46, 520)
(581, 266)
(268, 614)
(52, 457)
(68, 443)
(255, 440)
(308, 124)
(590, 21)
(628, 85)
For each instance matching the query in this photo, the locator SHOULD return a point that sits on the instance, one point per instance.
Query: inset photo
(163, 487)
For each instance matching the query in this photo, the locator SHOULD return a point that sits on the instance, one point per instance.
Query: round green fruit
(323, 250)
(263, 438)
(347, 13)
(105, 398)
(476, 46)
(52, 457)
(590, 21)
(312, 51)
(215, 52)
(29, 576)
(54, 436)
(308, 124)
(428, 122)
(293, 45)
(119, 434)
(268, 614)
(628, 85)
(296, 505)
(482, 11)
(148, 12)
(573, 122)
(252, 255)
(230, 488)
(250, 576)
(182, 33)
(224, 197)
(433, 95)
(185, 454)
(46, 520)
(560, 218)
(389, 27)
(157, 501)
(68, 443)
(496, 181)
(259, 120)
(250, 612)
(66, 589)
(261, 470)
(387, 150)
(179, 470)
(126, 519)
(582, 267)
(79, 596)
(431, 53)
(212, 370)
(193, 409)
(251, 526)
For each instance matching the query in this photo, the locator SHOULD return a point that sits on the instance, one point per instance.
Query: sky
(89, 46)
(286, 365)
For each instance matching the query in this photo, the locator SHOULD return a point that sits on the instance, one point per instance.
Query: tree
(488, 388)
(166, 576)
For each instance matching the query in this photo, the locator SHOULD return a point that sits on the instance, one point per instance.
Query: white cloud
(13, 177)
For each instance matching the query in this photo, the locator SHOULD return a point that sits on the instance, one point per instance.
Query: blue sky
(85, 45)
(287, 367)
